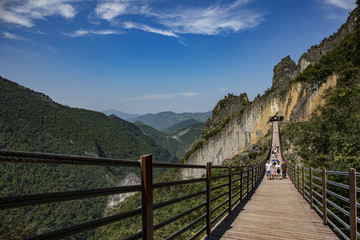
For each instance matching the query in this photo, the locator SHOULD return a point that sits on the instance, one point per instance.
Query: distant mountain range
(164, 120)
(121, 114)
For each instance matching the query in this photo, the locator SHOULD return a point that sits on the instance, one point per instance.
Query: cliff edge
(237, 123)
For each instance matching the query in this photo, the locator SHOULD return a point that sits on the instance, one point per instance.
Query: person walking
(277, 170)
(268, 169)
(273, 172)
(283, 168)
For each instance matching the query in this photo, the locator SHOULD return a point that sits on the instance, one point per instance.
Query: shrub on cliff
(331, 137)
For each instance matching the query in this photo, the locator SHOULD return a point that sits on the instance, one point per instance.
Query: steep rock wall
(114, 200)
(297, 103)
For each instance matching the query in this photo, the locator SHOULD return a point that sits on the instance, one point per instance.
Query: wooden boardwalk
(275, 210)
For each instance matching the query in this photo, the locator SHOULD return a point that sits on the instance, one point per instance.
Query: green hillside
(181, 125)
(31, 121)
(186, 137)
(161, 138)
(178, 142)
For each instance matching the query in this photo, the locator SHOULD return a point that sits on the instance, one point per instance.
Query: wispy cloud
(212, 19)
(82, 32)
(344, 4)
(189, 94)
(161, 96)
(14, 36)
(25, 12)
(130, 25)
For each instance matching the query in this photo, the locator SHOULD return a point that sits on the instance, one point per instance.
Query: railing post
(230, 187)
(324, 195)
(247, 180)
(298, 178)
(241, 183)
(147, 197)
(208, 198)
(303, 182)
(353, 203)
(256, 172)
(311, 187)
(252, 176)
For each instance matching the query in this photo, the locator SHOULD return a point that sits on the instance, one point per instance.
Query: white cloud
(344, 4)
(81, 32)
(212, 19)
(14, 37)
(25, 12)
(110, 10)
(130, 25)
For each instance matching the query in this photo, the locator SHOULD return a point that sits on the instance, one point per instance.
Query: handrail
(343, 221)
(243, 178)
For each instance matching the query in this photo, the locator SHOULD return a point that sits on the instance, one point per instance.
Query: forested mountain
(179, 141)
(163, 120)
(179, 126)
(31, 121)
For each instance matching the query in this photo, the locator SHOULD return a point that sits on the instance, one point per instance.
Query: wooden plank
(275, 211)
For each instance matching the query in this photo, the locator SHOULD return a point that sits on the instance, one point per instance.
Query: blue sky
(157, 55)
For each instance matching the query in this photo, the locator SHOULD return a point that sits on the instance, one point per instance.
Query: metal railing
(333, 195)
(237, 178)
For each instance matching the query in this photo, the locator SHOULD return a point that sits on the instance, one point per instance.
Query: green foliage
(31, 121)
(187, 136)
(331, 137)
(338, 61)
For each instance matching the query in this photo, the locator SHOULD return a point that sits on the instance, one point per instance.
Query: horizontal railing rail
(241, 178)
(327, 197)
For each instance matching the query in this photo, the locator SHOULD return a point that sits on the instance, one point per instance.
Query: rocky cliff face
(313, 55)
(295, 102)
(115, 200)
(284, 72)
(286, 69)
(242, 131)
(226, 107)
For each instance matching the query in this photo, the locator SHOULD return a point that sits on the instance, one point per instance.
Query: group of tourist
(275, 170)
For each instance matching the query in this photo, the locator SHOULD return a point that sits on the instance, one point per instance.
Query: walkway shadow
(226, 223)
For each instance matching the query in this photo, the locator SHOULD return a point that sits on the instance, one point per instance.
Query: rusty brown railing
(332, 194)
(236, 178)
